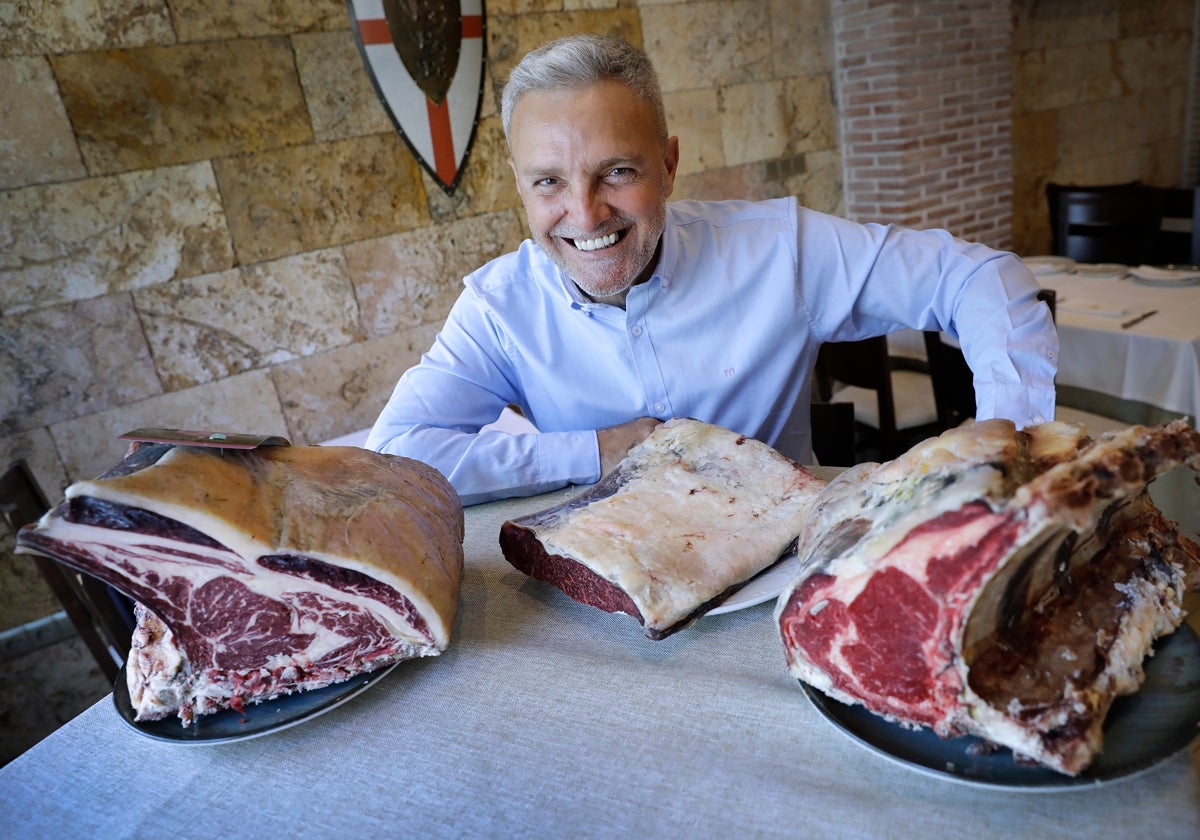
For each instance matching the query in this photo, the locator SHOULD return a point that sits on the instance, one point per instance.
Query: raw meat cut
(685, 520)
(262, 572)
(996, 583)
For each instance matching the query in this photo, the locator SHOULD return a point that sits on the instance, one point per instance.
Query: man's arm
(439, 406)
(868, 279)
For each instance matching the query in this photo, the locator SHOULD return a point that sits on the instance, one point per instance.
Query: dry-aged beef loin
(688, 517)
(262, 572)
(995, 583)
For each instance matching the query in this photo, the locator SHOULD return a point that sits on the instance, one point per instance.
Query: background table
(547, 718)
(1155, 362)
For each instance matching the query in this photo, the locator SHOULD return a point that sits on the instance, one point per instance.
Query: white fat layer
(676, 537)
(597, 243)
(142, 554)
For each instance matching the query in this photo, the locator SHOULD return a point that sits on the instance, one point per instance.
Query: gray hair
(580, 61)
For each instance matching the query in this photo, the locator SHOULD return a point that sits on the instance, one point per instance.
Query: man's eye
(620, 173)
(545, 183)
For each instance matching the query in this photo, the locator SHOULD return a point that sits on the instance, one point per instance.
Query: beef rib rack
(993, 582)
(263, 572)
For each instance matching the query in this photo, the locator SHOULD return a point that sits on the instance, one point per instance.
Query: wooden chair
(101, 615)
(1114, 223)
(1178, 240)
(953, 382)
(833, 433)
(893, 406)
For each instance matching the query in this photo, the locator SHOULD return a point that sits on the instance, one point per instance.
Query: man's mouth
(598, 243)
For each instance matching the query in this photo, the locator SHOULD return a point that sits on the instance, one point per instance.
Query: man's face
(594, 178)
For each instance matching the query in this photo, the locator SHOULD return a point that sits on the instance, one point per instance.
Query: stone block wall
(1100, 95)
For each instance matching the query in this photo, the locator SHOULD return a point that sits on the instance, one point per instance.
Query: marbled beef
(995, 583)
(263, 572)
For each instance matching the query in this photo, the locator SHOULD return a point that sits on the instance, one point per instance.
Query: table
(1155, 361)
(1146, 373)
(547, 718)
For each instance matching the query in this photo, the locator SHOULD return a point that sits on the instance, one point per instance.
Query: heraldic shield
(426, 60)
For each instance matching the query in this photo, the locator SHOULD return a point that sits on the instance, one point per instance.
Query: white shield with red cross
(426, 61)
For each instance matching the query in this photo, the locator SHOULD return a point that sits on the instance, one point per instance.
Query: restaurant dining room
(227, 230)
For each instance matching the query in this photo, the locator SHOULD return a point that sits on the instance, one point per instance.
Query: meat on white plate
(993, 582)
(684, 521)
(263, 572)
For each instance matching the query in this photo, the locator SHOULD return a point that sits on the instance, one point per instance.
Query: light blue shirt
(726, 331)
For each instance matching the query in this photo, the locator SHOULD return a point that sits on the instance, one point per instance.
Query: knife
(1127, 324)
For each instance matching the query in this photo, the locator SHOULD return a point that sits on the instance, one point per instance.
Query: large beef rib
(262, 572)
(993, 582)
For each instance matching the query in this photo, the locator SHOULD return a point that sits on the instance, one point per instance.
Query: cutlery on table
(1137, 320)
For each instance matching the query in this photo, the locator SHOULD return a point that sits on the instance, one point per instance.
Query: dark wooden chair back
(1116, 223)
(1179, 234)
(953, 382)
(865, 364)
(833, 433)
(102, 616)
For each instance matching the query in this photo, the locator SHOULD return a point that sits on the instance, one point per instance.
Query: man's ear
(513, 167)
(671, 164)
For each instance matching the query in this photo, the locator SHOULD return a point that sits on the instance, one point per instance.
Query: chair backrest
(953, 382)
(1179, 235)
(101, 615)
(833, 433)
(953, 385)
(1108, 223)
(864, 364)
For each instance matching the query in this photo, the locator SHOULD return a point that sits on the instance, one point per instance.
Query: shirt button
(637, 330)
(659, 408)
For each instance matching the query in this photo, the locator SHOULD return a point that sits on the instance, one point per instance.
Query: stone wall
(1100, 95)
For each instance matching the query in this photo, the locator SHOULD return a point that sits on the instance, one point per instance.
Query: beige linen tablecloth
(547, 718)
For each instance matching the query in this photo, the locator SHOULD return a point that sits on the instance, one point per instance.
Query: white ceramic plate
(258, 719)
(1153, 275)
(1141, 731)
(766, 586)
(1042, 266)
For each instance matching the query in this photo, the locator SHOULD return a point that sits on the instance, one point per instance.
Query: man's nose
(586, 208)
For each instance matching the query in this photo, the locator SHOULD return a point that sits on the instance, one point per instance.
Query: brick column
(925, 94)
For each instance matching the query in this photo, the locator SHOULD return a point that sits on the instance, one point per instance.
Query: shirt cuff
(1023, 405)
(570, 457)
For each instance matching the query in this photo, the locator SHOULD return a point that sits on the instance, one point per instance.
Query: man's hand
(616, 441)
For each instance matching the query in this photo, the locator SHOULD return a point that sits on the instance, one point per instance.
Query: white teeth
(597, 243)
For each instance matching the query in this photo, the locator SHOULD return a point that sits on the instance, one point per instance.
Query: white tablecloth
(547, 718)
(1156, 361)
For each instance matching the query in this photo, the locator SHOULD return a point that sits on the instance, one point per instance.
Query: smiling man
(625, 310)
